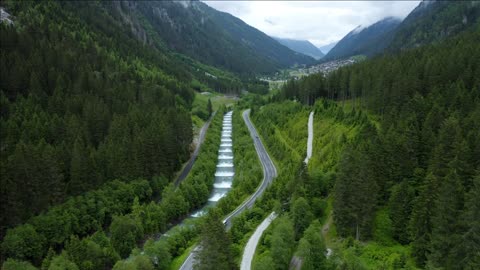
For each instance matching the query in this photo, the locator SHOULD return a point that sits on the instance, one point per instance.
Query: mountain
(302, 46)
(433, 21)
(326, 48)
(205, 34)
(364, 40)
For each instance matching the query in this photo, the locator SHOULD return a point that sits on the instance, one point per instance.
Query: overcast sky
(319, 22)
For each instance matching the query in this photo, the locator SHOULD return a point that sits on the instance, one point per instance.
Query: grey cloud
(320, 22)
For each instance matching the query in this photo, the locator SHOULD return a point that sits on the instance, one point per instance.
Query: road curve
(201, 137)
(310, 138)
(269, 172)
(252, 243)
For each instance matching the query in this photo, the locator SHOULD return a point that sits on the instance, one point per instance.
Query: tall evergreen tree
(446, 234)
(312, 248)
(79, 168)
(421, 220)
(215, 250)
(282, 241)
(209, 107)
(470, 247)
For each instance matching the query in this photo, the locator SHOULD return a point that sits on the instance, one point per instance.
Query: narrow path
(310, 138)
(252, 243)
(269, 172)
(201, 137)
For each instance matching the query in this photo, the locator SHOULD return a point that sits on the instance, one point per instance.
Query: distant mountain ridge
(326, 48)
(364, 40)
(431, 21)
(205, 34)
(301, 46)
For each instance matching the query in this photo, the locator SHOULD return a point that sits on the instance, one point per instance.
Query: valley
(164, 135)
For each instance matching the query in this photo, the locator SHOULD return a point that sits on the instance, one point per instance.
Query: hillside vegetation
(409, 177)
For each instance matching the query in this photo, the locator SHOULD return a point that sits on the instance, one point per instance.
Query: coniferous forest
(103, 103)
(417, 157)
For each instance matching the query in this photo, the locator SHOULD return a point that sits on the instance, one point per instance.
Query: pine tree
(282, 242)
(470, 246)
(446, 218)
(312, 248)
(79, 170)
(421, 223)
(400, 210)
(215, 245)
(301, 215)
(209, 107)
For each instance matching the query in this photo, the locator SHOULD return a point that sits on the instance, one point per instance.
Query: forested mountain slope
(368, 40)
(433, 21)
(411, 177)
(429, 22)
(203, 33)
(83, 103)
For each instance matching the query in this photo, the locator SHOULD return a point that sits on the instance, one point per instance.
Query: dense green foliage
(69, 128)
(83, 102)
(127, 210)
(312, 248)
(297, 193)
(78, 216)
(420, 158)
(215, 251)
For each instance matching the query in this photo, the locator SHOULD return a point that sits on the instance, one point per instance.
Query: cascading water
(225, 168)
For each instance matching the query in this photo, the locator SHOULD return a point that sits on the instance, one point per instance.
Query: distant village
(327, 67)
(281, 77)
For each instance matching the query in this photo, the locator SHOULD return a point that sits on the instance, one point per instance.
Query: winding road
(269, 172)
(191, 161)
(252, 243)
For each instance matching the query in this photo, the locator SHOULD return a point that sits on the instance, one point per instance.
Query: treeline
(421, 161)
(73, 233)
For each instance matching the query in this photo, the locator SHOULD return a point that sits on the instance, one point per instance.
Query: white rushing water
(223, 185)
(217, 196)
(225, 167)
(222, 174)
(198, 213)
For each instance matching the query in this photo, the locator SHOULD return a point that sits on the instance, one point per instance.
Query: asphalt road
(191, 161)
(269, 172)
(252, 243)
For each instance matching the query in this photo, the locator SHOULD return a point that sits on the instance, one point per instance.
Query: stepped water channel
(225, 168)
